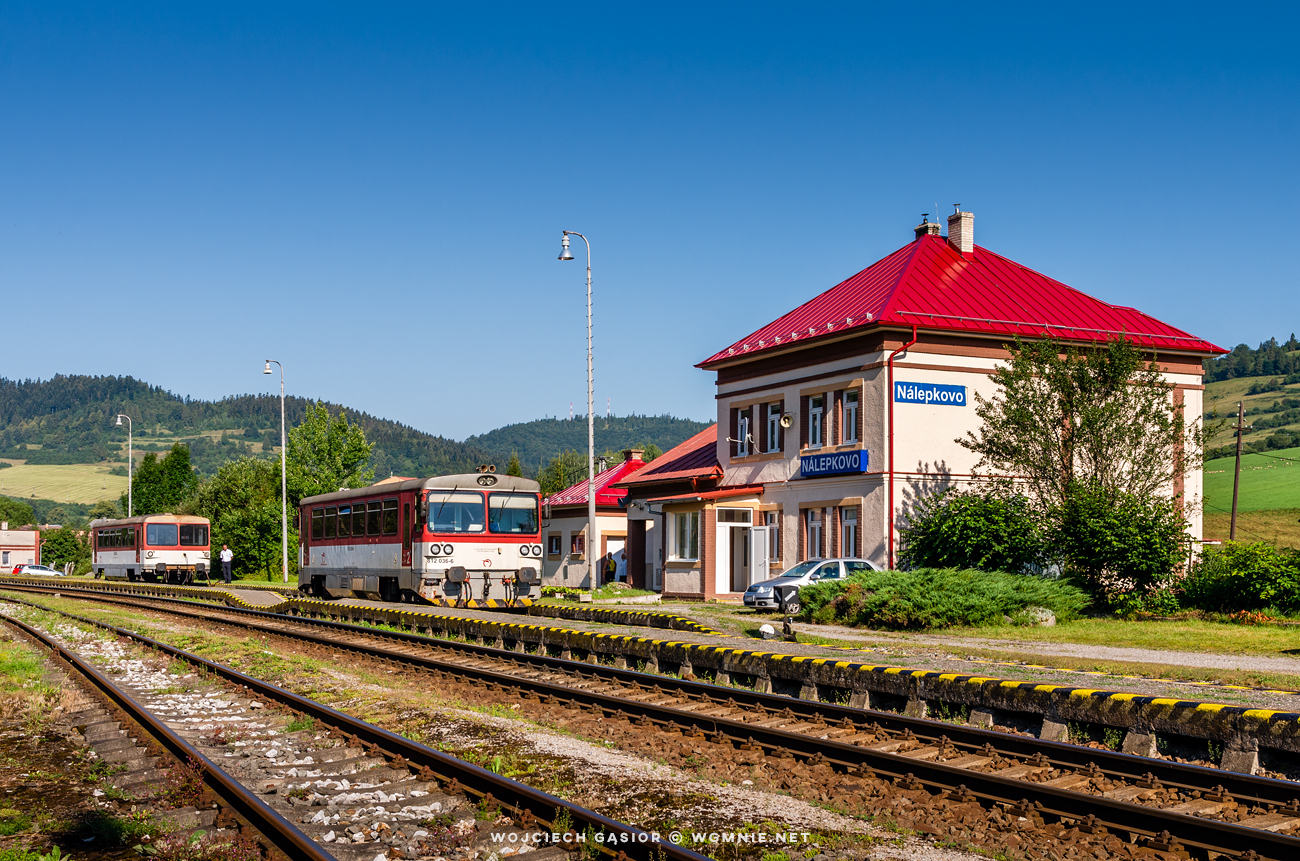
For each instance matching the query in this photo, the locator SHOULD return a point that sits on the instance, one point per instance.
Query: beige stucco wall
(928, 456)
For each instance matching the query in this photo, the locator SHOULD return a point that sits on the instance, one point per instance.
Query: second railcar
(155, 548)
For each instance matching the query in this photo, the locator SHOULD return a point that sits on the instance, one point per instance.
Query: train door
(406, 533)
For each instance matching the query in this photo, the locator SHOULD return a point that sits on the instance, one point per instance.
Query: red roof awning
(706, 495)
(697, 457)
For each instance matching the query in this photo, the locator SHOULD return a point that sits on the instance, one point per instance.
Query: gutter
(890, 364)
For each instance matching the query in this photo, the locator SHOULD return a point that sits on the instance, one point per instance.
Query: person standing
(620, 572)
(226, 557)
(609, 566)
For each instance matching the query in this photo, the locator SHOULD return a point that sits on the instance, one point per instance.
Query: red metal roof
(606, 495)
(720, 493)
(697, 457)
(930, 284)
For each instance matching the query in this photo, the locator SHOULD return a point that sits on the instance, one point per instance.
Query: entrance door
(739, 558)
(758, 555)
(406, 535)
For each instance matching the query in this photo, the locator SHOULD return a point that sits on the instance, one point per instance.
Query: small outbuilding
(564, 535)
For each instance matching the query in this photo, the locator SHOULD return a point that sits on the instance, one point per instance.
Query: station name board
(835, 463)
(930, 393)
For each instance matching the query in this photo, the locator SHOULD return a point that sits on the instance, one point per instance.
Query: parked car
(783, 591)
(39, 570)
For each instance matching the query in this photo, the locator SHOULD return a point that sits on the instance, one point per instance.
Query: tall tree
(326, 454)
(16, 513)
(1103, 417)
(159, 486)
(514, 467)
(243, 503)
(61, 546)
(566, 468)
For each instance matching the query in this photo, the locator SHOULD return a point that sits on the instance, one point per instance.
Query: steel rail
(526, 801)
(1243, 787)
(1194, 832)
(282, 834)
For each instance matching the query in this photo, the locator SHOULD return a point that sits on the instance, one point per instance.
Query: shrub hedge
(1243, 576)
(936, 598)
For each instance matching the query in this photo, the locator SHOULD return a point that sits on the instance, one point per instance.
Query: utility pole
(1236, 473)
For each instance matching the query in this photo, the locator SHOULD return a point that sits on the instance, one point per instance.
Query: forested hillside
(72, 420)
(1271, 359)
(537, 442)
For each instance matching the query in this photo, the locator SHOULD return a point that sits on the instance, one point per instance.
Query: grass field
(77, 482)
(1268, 481)
(1221, 408)
(1280, 526)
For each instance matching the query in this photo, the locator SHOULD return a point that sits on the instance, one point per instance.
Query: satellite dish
(787, 420)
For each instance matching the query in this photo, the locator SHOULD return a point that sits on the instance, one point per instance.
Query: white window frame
(742, 433)
(849, 532)
(689, 535)
(816, 421)
(819, 526)
(774, 427)
(851, 414)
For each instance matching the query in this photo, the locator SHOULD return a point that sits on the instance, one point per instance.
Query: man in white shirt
(620, 572)
(226, 556)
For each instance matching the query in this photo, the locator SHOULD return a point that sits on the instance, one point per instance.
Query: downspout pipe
(890, 365)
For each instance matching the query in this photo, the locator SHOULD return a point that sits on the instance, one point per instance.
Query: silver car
(39, 570)
(772, 594)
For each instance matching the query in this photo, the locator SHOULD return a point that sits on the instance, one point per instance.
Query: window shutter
(803, 421)
(801, 536)
(861, 433)
(780, 431)
(857, 541)
(735, 430)
(761, 432)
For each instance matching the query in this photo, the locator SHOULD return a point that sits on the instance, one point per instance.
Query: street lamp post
(593, 538)
(284, 498)
(130, 461)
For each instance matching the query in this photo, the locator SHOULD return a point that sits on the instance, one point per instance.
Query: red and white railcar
(454, 537)
(156, 548)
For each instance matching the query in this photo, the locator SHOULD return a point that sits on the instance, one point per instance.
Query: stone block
(1139, 743)
(1054, 730)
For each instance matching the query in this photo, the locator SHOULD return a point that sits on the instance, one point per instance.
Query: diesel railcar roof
(142, 518)
(467, 481)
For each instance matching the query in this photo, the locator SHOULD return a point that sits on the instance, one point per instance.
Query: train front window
(194, 535)
(514, 513)
(161, 534)
(455, 511)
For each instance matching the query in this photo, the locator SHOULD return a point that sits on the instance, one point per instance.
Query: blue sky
(374, 194)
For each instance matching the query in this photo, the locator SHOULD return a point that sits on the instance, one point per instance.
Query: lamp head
(267, 369)
(119, 421)
(564, 248)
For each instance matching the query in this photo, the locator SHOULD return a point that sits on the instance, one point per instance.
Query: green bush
(936, 598)
(1117, 543)
(992, 530)
(1244, 576)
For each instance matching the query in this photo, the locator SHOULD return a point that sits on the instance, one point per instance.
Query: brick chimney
(927, 227)
(961, 230)
(632, 454)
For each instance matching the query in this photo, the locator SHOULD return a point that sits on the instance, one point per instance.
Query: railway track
(1163, 805)
(340, 788)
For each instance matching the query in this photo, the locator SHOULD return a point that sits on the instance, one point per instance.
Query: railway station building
(836, 417)
(564, 535)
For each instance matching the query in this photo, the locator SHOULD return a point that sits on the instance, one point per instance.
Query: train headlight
(447, 549)
(526, 550)
(537, 550)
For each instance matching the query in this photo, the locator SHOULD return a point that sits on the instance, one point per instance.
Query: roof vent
(961, 230)
(927, 227)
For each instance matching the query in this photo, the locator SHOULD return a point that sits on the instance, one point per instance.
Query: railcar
(454, 537)
(155, 548)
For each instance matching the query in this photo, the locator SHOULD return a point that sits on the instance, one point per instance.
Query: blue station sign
(930, 393)
(833, 463)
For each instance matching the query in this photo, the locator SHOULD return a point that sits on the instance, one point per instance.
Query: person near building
(609, 567)
(226, 557)
(620, 571)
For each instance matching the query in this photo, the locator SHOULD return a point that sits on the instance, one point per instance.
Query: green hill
(70, 419)
(1268, 480)
(538, 441)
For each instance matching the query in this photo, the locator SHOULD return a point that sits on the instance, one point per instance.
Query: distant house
(18, 547)
(564, 535)
(668, 495)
